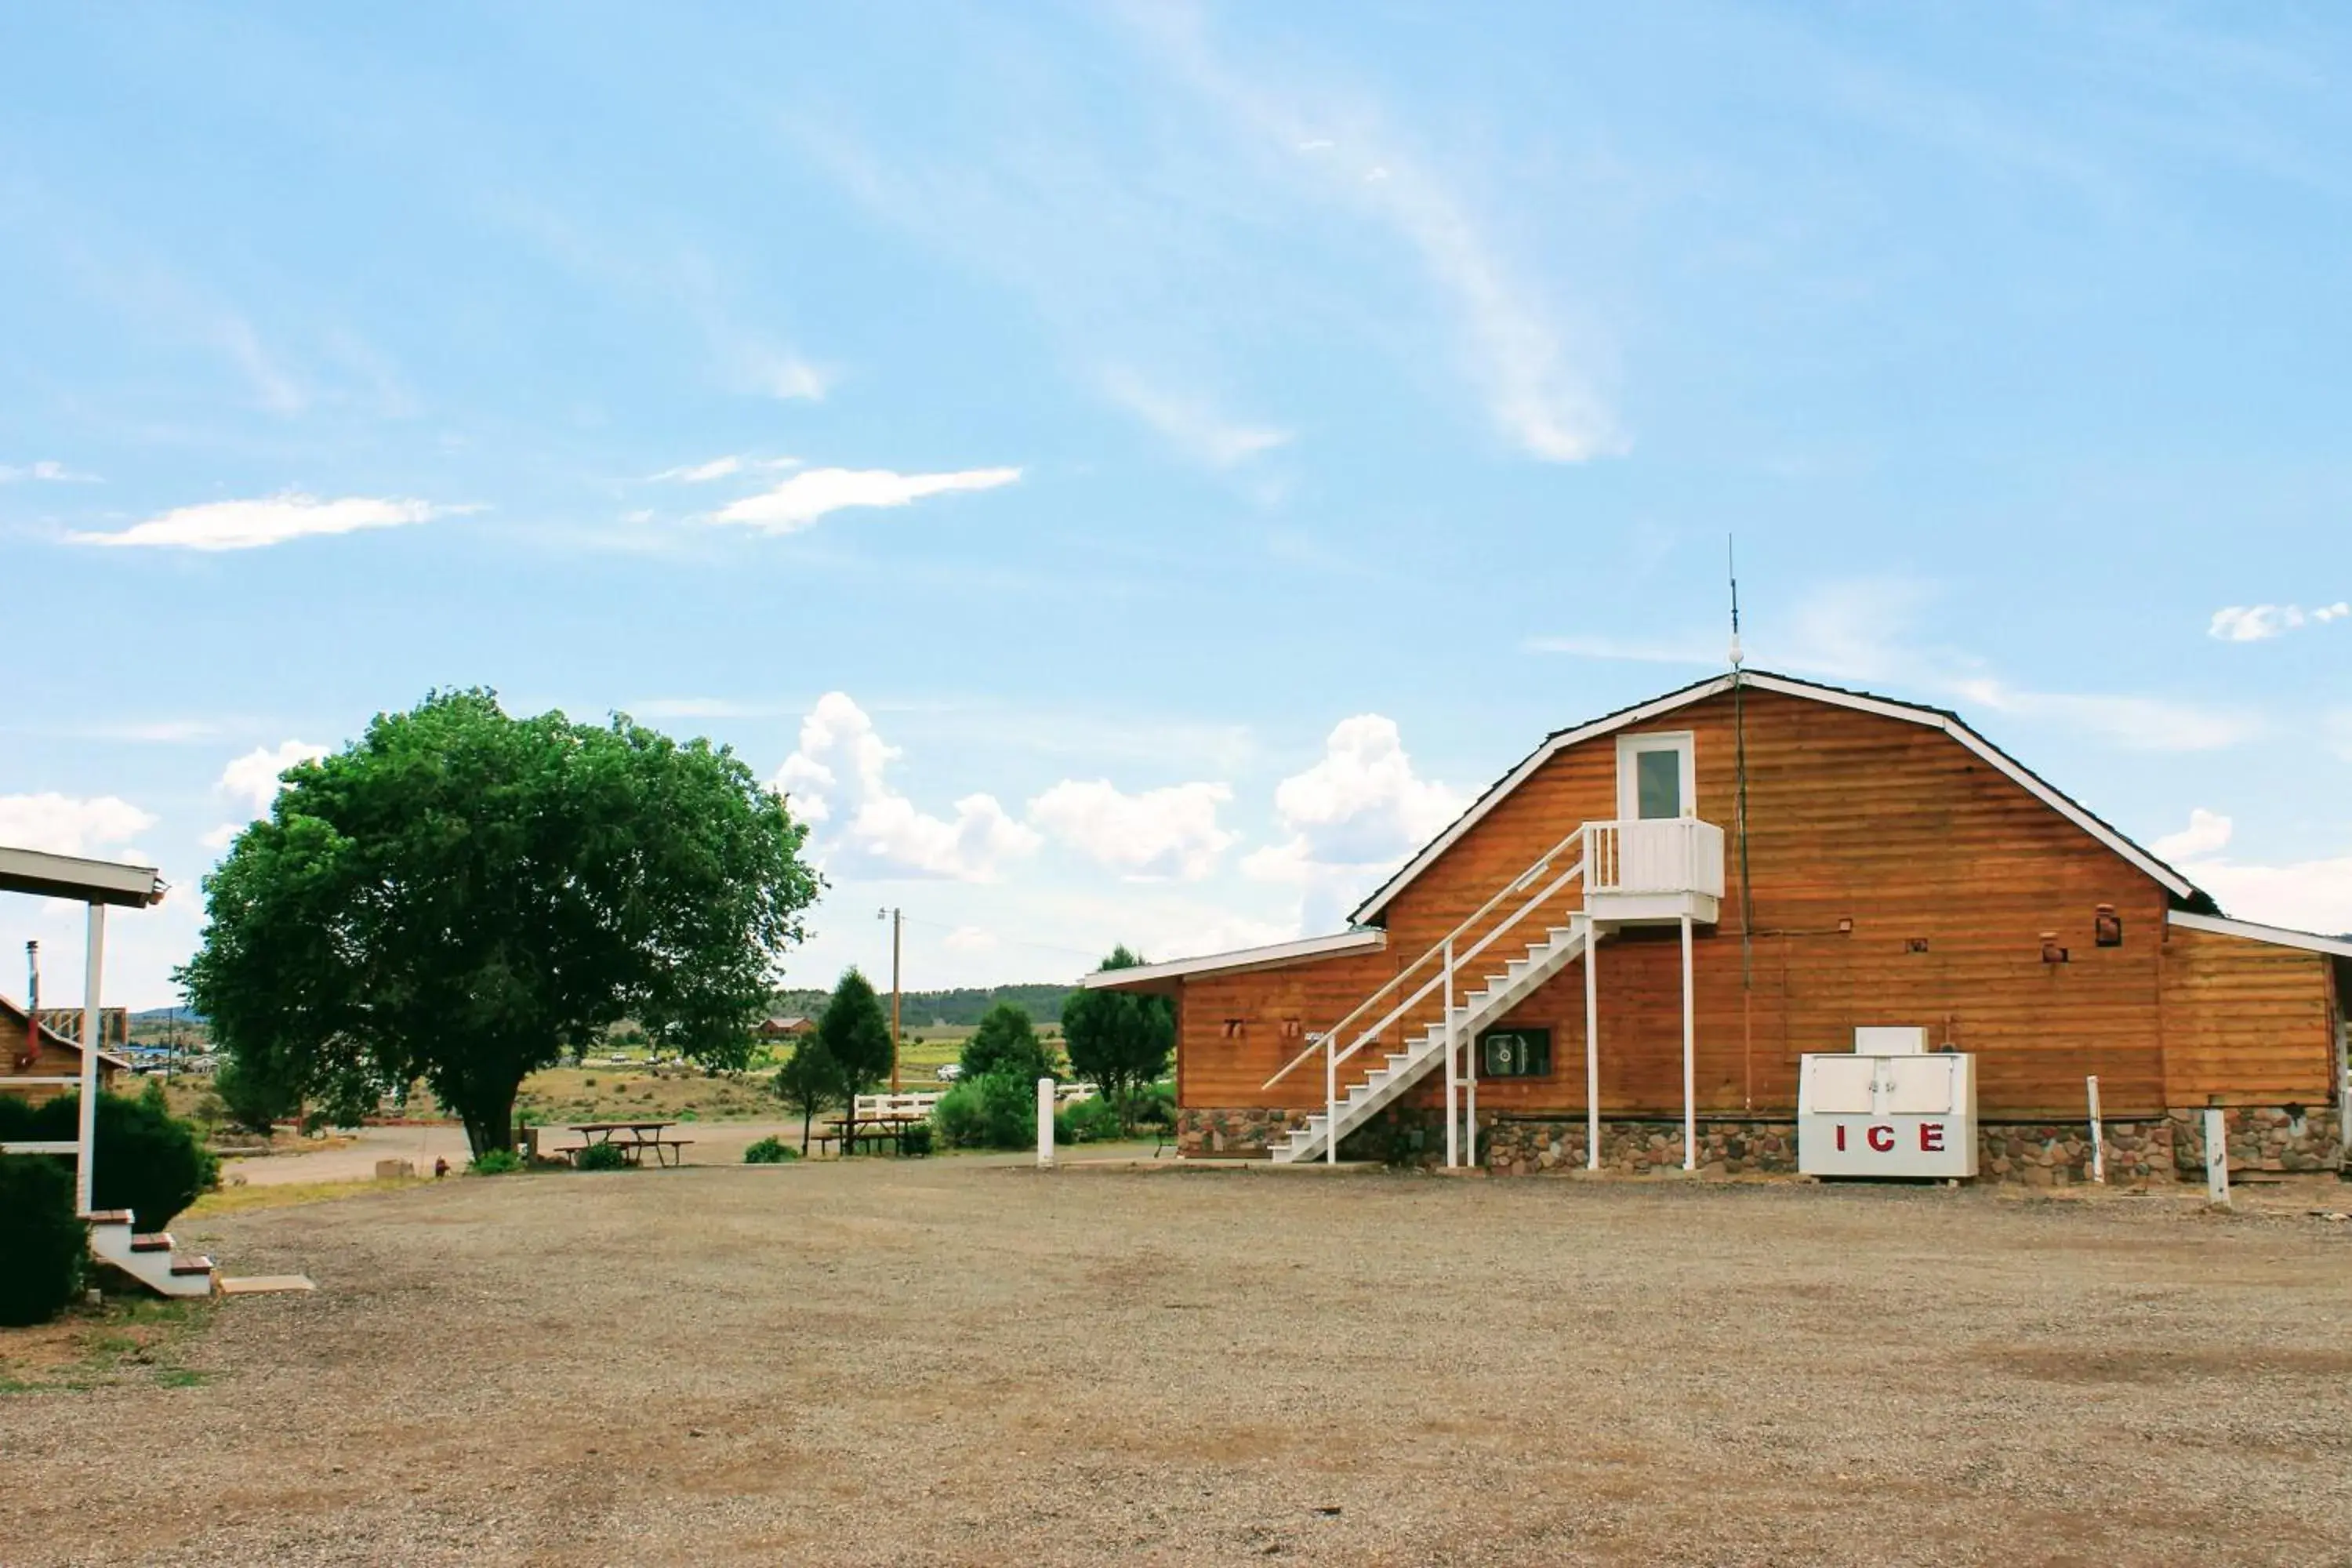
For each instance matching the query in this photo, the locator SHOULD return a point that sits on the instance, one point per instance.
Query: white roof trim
(1932, 718)
(1244, 958)
(2278, 936)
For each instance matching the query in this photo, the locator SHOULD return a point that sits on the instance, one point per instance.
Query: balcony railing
(1670, 855)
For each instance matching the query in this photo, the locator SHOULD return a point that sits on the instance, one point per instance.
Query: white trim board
(1760, 680)
(2277, 936)
(1346, 941)
(47, 876)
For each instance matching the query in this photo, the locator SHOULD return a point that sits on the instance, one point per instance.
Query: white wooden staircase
(1560, 946)
(151, 1259)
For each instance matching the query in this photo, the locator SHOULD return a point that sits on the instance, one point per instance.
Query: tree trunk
(808, 1115)
(489, 1116)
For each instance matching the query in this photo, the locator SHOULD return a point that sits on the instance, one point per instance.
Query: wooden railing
(1668, 855)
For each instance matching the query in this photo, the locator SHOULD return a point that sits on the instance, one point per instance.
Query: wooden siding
(1867, 836)
(2246, 1021)
(56, 1060)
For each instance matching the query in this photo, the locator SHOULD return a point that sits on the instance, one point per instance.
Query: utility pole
(897, 919)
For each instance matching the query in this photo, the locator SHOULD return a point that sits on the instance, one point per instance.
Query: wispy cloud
(47, 472)
(804, 498)
(68, 824)
(1860, 632)
(1513, 347)
(1192, 425)
(254, 525)
(722, 469)
(2259, 623)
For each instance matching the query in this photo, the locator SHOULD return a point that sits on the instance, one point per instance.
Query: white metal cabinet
(1886, 1115)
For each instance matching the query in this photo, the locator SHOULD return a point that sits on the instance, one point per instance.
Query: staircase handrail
(1543, 863)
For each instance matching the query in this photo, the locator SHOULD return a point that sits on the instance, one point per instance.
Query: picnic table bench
(632, 1138)
(869, 1128)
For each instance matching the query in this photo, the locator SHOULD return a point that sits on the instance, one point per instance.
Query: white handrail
(1543, 863)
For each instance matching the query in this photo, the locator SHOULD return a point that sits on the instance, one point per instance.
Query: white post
(1453, 1069)
(1044, 1124)
(2098, 1135)
(1330, 1101)
(94, 964)
(1470, 1102)
(1591, 1045)
(1690, 1059)
(2217, 1158)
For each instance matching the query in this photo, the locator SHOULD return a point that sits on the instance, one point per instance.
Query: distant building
(54, 1054)
(790, 1028)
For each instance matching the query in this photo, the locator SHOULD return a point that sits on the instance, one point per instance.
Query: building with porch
(1617, 956)
(46, 1057)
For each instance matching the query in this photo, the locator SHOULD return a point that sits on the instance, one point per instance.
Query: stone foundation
(2171, 1148)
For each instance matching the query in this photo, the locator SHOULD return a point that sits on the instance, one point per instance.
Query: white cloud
(1192, 425)
(2207, 833)
(1156, 834)
(837, 780)
(253, 778)
(1352, 818)
(786, 376)
(251, 524)
(720, 468)
(2306, 895)
(65, 825)
(50, 472)
(800, 500)
(969, 938)
(2259, 623)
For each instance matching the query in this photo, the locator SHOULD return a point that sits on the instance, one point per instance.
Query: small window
(1514, 1053)
(1659, 784)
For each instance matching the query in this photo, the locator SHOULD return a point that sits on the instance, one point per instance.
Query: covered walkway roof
(47, 876)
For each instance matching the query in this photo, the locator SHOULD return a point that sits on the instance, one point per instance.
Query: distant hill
(165, 1015)
(963, 1004)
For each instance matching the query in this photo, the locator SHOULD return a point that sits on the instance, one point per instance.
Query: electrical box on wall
(1901, 1113)
(1880, 1040)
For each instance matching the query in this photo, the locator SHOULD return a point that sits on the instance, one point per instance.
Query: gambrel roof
(2185, 894)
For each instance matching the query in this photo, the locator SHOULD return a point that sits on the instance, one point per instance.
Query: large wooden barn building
(1644, 925)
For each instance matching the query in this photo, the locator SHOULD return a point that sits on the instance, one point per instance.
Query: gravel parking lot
(944, 1361)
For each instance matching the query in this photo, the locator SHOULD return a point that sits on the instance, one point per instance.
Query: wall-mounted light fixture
(2107, 926)
(2051, 952)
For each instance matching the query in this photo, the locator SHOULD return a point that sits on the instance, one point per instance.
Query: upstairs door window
(1654, 778)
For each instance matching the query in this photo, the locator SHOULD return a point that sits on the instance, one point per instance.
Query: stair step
(185, 1266)
(160, 1241)
(111, 1217)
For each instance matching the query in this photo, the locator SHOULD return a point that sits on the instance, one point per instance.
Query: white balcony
(1663, 869)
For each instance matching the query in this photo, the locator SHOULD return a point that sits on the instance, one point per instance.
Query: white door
(1657, 776)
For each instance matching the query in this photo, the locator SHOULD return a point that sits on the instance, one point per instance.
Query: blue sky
(1136, 469)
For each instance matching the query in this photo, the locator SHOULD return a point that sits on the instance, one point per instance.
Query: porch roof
(46, 876)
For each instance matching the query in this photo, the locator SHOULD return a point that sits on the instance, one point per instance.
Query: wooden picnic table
(853, 1130)
(632, 1137)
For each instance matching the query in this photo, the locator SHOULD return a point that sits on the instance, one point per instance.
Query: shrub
(916, 1141)
(496, 1162)
(1088, 1121)
(998, 1110)
(602, 1157)
(770, 1150)
(41, 1237)
(1007, 1043)
(148, 1161)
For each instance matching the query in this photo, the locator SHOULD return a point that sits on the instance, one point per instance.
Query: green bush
(998, 1110)
(770, 1150)
(496, 1162)
(41, 1238)
(1007, 1043)
(148, 1161)
(1091, 1121)
(602, 1157)
(916, 1141)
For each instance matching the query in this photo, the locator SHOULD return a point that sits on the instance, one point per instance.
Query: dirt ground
(951, 1360)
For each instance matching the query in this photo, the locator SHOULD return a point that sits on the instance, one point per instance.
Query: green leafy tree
(463, 897)
(1006, 1042)
(1118, 1040)
(857, 1035)
(808, 1082)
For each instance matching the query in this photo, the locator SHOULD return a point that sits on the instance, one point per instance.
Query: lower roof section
(2279, 936)
(1163, 977)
